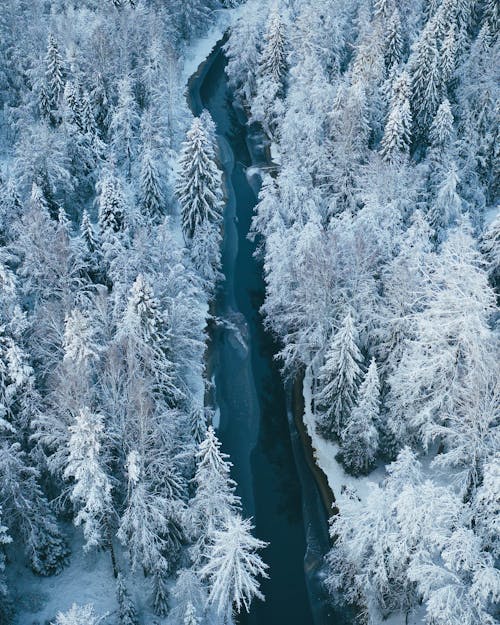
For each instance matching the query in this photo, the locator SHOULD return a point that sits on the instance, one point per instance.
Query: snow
(342, 484)
(325, 451)
(200, 50)
(87, 579)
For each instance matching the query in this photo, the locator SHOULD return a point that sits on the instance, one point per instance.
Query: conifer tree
(89, 237)
(441, 130)
(151, 186)
(233, 567)
(91, 489)
(79, 342)
(78, 615)
(124, 126)
(266, 106)
(338, 379)
(272, 63)
(126, 608)
(190, 616)
(54, 72)
(242, 51)
(160, 591)
(393, 41)
(490, 247)
(205, 251)
(28, 511)
(199, 183)
(360, 438)
(426, 76)
(214, 499)
(449, 56)
(447, 207)
(397, 134)
(111, 204)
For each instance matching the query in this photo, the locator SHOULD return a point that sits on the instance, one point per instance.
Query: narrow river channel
(255, 424)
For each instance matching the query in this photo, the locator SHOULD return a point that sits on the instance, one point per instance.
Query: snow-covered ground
(341, 483)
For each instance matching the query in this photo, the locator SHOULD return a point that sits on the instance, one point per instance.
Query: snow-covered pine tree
(126, 609)
(360, 439)
(151, 185)
(191, 615)
(28, 511)
(79, 342)
(272, 62)
(145, 331)
(448, 56)
(205, 251)
(91, 487)
(233, 567)
(214, 499)
(242, 51)
(393, 40)
(145, 523)
(123, 126)
(396, 141)
(446, 209)
(111, 204)
(160, 591)
(426, 77)
(89, 237)
(54, 73)
(490, 246)
(266, 107)
(441, 131)
(78, 615)
(199, 183)
(338, 379)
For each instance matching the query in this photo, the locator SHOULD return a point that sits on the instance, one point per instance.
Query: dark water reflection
(275, 484)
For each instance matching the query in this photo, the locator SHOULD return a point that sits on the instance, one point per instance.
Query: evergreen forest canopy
(379, 230)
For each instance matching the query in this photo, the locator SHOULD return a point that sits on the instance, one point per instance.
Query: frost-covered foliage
(104, 308)
(379, 233)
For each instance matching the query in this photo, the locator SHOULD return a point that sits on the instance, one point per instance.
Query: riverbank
(271, 462)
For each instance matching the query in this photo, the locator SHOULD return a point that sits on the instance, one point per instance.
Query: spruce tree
(267, 105)
(199, 184)
(160, 591)
(28, 511)
(123, 126)
(111, 203)
(272, 63)
(490, 246)
(446, 209)
(426, 77)
(393, 52)
(91, 488)
(360, 438)
(233, 567)
(190, 615)
(126, 608)
(54, 72)
(150, 185)
(396, 141)
(214, 499)
(88, 233)
(338, 380)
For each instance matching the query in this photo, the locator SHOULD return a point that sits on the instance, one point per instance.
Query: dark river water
(256, 428)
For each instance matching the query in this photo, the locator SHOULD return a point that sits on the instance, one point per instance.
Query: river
(255, 423)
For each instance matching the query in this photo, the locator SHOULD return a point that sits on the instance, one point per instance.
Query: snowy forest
(378, 231)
